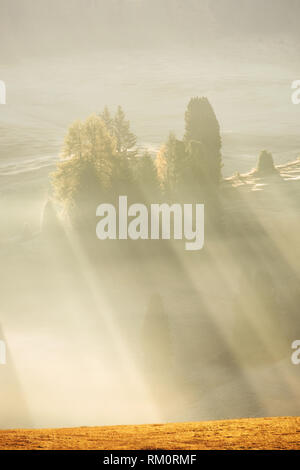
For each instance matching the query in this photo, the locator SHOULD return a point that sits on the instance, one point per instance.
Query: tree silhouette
(265, 164)
(201, 125)
(171, 165)
(146, 176)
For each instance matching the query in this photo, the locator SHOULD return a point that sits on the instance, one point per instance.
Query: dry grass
(260, 433)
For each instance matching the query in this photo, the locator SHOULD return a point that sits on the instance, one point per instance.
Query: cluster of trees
(99, 157)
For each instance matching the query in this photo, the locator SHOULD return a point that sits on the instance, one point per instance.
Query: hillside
(260, 433)
(261, 202)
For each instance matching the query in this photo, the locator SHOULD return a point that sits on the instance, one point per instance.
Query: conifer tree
(87, 162)
(125, 139)
(146, 175)
(156, 338)
(108, 120)
(201, 125)
(119, 128)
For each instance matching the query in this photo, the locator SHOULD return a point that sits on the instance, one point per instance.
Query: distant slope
(260, 433)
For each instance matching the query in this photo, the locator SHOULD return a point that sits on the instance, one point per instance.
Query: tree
(50, 221)
(201, 125)
(122, 178)
(125, 139)
(197, 171)
(193, 166)
(146, 176)
(14, 408)
(170, 165)
(162, 165)
(119, 128)
(257, 318)
(156, 339)
(123, 161)
(265, 164)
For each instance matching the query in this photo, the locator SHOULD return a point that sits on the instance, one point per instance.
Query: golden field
(258, 433)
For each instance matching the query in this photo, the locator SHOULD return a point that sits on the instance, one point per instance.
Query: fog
(75, 317)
